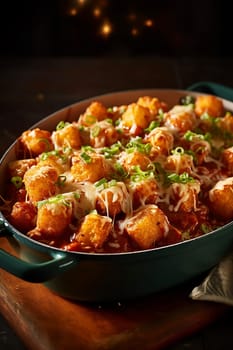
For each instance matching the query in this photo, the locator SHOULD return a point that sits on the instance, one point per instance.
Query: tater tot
(37, 141)
(209, 104)
(148, 226)
(181, 119)
(19, 167)
(103, 134)
(144, 192)
(136, 116)
(68, 136)
(221, 199)
(94, 230)
(179, 163)
(40, 182)
(113, 200)
(89, 167)
(23, 216)
(152, 103)
(161, 140)
(54, 159)
(54, 216)
(184, 196)
(201, 150)
(227, 158)
(130, 160)
(226, 123)
(96, 111)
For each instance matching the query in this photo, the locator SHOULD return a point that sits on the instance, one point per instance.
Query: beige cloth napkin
(218, 285)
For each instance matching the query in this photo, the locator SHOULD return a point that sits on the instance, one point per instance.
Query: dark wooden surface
(30, 89)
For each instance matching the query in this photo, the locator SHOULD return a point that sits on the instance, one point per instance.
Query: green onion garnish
(17, 181)
(85, 157)
(61, 125)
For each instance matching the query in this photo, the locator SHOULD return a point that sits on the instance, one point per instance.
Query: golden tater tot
(37, 141)
(130, 160)
(184, 196)
(136, 116)
(89, 167)
(209, 104)
(95, 112)
(152, 103)
(23, 216)
(201, 150)
(54, 216)
(181, 119)
(226, 123)
(148, 226)
(227, 158)
(103, 134)
(19, 167)
(114, 199)
(144, 192)
(94, 230)
(221, 199)
(40, 182)
(54, 159)
(68, 136)
(179, 163)
(161, 140)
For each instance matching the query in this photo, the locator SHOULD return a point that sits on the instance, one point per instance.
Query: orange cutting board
(45, 321)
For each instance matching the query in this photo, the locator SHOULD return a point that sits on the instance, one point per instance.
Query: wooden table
(30, 90)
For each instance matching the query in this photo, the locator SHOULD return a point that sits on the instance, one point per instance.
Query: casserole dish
(106, 276)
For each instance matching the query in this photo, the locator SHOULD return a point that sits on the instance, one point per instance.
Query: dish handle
(213, 88)
(34, 272)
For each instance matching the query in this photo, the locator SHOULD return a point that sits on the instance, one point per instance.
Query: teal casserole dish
(98, 277)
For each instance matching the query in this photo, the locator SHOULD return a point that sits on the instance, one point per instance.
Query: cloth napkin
(218, 285)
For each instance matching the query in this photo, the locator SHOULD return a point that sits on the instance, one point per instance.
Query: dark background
(137, 27)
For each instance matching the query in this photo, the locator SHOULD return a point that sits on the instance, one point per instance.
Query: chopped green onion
(154, 124)
(191, 136)
(120, 171)
(205, 228)
(180, 178)
(137, 144)
(122, 109)
(17, 181)
(62, 125)
(178, 151)
(59, 199)
(187, 100)
(90, 119)
(95, 131)
(108, 120)
(140, 175)
(112, 150)
(159, 173)
(46, 142)
(85, 157)
(101, 182)
(87, 148)
(61, 180)
(76, 195)
(56, 153)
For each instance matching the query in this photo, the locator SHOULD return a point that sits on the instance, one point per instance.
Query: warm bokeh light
(72, 11)
(132, 16)
(106, 29)
(134, 32)
(81, 2)
(149, 22)
(96, 12)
